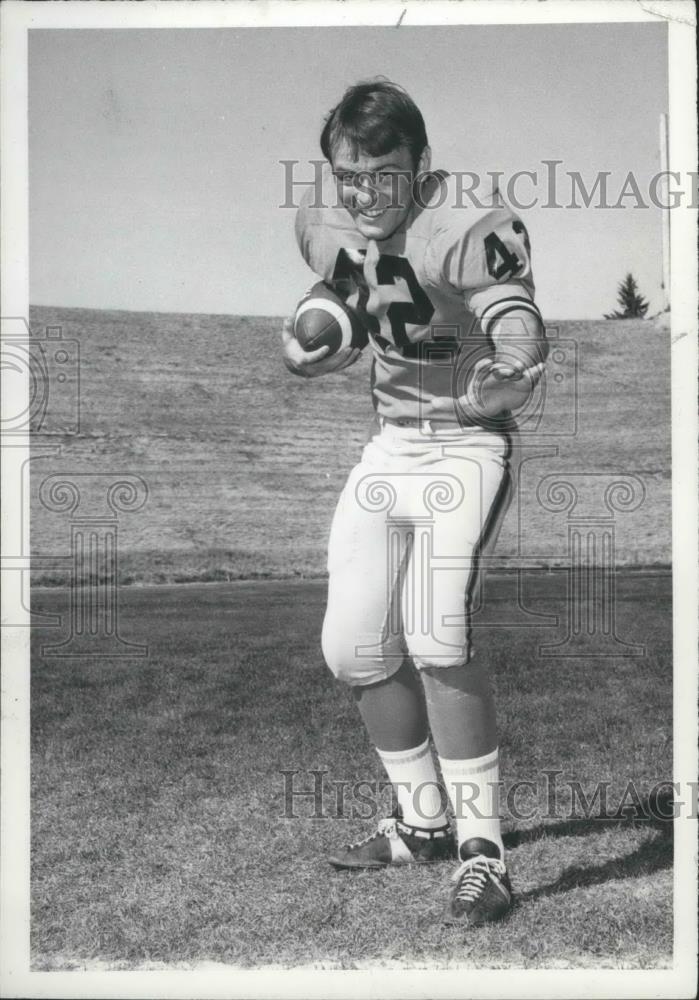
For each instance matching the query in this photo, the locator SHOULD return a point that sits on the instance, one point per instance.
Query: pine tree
(634, 305)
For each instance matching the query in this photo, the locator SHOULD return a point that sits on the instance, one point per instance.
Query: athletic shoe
(398, 843)
(481, 890)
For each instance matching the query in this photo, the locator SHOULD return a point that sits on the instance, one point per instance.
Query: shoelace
(473, 876)
(387, 828)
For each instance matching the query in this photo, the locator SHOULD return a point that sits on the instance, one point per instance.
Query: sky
(155, 180)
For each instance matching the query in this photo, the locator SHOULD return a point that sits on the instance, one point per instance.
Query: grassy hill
(244, 462)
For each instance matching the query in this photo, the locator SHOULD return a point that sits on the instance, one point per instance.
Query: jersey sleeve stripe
(530, 308)
(500, 302)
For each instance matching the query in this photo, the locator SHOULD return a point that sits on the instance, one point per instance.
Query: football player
(442, 279)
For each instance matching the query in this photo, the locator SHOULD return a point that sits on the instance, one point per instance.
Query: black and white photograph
(349, 470)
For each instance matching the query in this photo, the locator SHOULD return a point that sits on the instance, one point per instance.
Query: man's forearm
(520, 339)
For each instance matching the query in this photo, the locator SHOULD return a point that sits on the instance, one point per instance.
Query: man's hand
(297, 360)
(494, 386)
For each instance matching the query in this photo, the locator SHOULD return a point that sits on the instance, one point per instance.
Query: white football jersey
(429, 294)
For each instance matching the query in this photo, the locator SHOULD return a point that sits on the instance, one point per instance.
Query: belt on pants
(426, 423)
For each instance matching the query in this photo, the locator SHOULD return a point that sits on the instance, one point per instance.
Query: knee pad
(350, 663)
(434, 663)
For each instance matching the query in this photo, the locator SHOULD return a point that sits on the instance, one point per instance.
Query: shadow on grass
(652, 856)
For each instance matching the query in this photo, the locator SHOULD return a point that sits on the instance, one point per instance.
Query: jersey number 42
(400, 297)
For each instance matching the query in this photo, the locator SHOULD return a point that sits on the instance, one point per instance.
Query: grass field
(233, 448)
(159, 832)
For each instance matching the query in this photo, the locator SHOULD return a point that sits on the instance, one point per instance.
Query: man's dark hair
(375, 117)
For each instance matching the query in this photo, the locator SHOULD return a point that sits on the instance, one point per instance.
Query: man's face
(376, 190)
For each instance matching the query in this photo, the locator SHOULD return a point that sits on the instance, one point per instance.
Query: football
(323, 318)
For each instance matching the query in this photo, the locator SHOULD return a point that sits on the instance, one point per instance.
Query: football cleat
(481, 892)
(398, 843)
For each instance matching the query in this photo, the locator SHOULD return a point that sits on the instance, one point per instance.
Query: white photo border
(16, 977)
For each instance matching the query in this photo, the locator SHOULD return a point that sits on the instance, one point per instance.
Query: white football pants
(416, 513)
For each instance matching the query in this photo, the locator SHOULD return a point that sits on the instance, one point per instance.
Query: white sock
(414, 777)
(472, 786)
